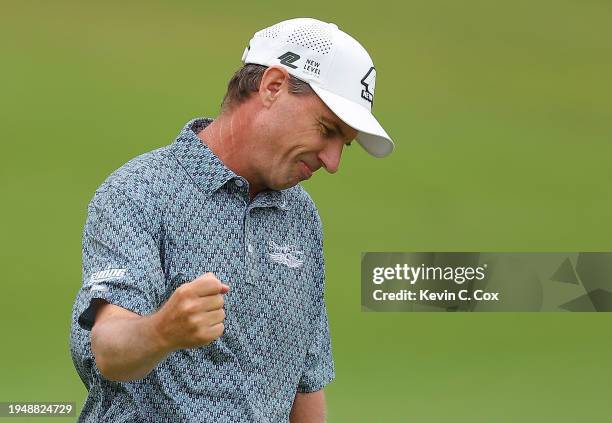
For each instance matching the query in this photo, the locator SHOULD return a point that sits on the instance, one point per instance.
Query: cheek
(295, 145)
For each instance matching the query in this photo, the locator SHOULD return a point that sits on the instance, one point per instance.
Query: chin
(284, 181)
(289, 183)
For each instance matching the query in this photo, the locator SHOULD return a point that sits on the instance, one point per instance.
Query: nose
(330, 155)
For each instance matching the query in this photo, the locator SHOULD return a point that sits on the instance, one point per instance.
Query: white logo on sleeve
(98, 287)
(106, 275)
(290, 256)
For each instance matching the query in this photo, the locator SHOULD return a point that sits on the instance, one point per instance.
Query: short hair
(246, 80)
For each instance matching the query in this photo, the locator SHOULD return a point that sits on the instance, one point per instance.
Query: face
(302, 135)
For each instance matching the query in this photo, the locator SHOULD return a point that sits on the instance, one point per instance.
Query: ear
(273, 83)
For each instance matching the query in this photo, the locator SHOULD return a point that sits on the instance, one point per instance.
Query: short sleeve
(318, 368)
(319, 365)
(121, 256)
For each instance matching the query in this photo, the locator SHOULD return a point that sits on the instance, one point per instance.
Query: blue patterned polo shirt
(163, 219)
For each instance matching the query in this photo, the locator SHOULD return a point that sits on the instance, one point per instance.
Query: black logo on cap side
(288, 58)
(368, 82)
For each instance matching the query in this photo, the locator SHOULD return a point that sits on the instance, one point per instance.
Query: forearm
(127, 348)
(308, 408)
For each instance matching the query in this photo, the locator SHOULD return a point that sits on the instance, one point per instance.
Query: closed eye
(327, 132)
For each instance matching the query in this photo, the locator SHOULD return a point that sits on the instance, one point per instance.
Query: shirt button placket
(249, 259)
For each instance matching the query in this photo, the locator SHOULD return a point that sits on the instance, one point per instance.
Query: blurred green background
(502, 117)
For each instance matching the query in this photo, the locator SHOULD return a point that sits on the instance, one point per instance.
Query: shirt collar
(208, 172)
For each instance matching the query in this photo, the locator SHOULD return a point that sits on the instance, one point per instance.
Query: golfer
(203, 277)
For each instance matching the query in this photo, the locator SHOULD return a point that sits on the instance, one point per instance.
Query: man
(203, 279)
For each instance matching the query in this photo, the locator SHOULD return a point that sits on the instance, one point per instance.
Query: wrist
(157, 334)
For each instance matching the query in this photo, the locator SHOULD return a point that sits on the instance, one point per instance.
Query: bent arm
(308, 407)
(126, 345)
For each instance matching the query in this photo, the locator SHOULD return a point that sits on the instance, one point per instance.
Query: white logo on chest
(290, 256)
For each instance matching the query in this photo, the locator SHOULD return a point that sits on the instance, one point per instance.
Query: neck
(228, 137)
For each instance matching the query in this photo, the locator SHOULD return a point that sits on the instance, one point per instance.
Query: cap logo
(288, 58)
(312, 67)
(368, 82)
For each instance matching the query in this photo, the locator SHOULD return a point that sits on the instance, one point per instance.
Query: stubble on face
(296, 130)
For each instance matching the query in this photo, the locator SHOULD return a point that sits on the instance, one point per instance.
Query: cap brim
(371, 135)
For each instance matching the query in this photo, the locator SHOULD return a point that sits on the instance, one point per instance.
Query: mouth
(305, 170)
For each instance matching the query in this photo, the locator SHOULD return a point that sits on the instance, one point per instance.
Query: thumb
(224, 289)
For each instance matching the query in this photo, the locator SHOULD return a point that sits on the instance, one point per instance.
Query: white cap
(335, 65)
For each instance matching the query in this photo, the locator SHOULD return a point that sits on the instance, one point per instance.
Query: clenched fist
(193, 315)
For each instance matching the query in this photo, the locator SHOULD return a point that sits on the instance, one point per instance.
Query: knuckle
(192, 321)
(191, 311)
(217, 330)
(210, 276)
(186, 307)
(180, 291)
(215, 302)
(212, 288)
(183, 292)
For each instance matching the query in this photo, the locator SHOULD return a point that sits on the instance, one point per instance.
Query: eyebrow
(335, 125)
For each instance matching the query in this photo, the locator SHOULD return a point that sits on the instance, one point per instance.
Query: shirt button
(250, 248)
(239, 182)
